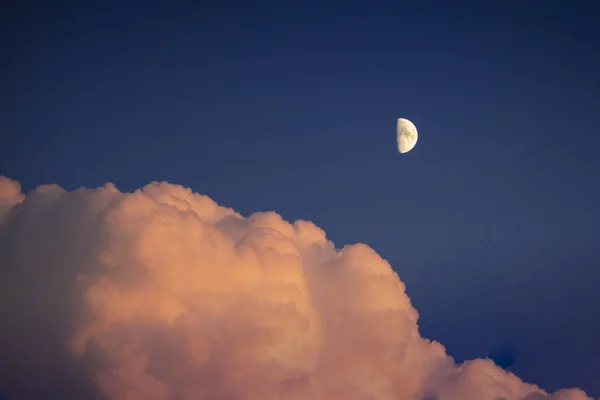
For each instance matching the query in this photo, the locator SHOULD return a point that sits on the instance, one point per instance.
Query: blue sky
(492, 219)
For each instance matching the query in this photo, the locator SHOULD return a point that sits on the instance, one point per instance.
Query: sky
(490, 221)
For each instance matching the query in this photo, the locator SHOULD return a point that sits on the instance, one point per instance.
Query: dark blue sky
(491, 221)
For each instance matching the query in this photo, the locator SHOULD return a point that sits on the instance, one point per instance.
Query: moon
(406, 135)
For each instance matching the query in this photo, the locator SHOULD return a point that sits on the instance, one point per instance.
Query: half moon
(406, 135)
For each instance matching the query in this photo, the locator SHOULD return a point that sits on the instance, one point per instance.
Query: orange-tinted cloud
(10, 194)
(163, 294)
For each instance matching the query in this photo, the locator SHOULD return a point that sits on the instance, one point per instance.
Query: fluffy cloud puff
(164, 294)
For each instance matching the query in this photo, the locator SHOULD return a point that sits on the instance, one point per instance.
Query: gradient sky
(491, 220)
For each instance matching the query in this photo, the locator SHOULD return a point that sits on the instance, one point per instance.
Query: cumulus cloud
(164, 294)
(10, 194)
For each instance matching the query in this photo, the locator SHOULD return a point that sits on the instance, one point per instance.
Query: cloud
(10, 194)
(164, 294)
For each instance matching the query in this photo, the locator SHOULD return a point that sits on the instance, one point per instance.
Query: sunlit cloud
(164, 294)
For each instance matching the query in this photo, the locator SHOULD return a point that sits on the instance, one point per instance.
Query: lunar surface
(406, 134)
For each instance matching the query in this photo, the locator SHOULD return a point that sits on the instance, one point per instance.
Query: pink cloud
(164, 294)
(10, 194)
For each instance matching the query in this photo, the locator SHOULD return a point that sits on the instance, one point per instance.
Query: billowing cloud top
(164, 294)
